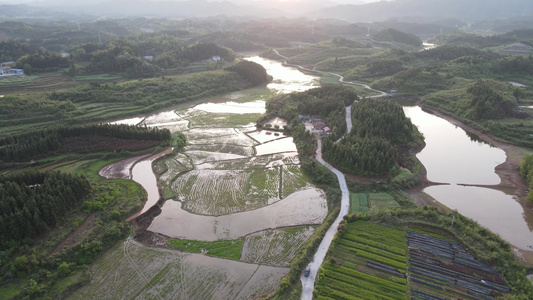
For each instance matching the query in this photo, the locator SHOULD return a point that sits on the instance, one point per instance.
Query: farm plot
(177, 126)
(358, 203)
(131, 270)
(220, 192)
(218, 136)
(130, 121)
(367, 262)
(379, 201)
(303, 207)
(277, 146)
(264, 136)
(293, 179)
(222, 148)
(232, 107)
(200, 157)
(441, 268)
(199, 118)
(170, 166)
(162, 118)
(275, 246)
(264, 161)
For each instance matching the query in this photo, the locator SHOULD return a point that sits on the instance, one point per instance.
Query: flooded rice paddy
(302, 207)
(134, 271)
(254, 107)
(275, 246)
(277, 146)
(232, 181)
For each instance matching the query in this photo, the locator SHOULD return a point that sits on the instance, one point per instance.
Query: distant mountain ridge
(428, 10)
(398, 10)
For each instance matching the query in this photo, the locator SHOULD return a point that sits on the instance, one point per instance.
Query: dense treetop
(380, 131)
(37, 143)
(33, 202)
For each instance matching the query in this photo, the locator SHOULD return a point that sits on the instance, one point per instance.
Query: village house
(4, 70)
(8, 71)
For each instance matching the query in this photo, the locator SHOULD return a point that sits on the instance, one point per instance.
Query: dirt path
(76, 235)
(45, 169)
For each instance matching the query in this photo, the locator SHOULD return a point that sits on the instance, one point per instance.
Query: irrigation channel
(451, 156)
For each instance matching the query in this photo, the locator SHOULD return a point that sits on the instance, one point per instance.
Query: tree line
(328, 102)
(25, 146)
(487, 103)
(32, 202)
(126, 56)
(379, 129)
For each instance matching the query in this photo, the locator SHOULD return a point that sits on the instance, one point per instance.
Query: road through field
(308, 283)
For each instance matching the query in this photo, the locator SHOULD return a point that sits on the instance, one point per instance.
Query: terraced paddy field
(371, 261)
(235, 192)
(133, 271)
(275, 246)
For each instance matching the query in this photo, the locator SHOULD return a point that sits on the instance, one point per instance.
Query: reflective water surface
(455, 157)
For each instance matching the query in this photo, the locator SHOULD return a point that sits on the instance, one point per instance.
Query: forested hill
(424, 10)
(33, 202)
(79, 139)
(377, 142)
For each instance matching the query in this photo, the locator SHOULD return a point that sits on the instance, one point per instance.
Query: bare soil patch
(77, 235)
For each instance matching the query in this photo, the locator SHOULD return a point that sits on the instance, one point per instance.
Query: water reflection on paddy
(230, 107)
(263, 136)
(304, 207)
(277, 146)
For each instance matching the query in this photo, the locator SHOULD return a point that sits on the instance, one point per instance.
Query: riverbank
(509, 173)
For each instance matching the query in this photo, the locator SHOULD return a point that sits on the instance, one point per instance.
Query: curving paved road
(308, 283)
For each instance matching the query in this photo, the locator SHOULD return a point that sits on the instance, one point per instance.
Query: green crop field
(223, 248)
(351, 271)
(358, 203)
(381, 201)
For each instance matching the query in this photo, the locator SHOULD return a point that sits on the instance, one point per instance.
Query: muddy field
(133, 271)
(232, 181)
(275, 246)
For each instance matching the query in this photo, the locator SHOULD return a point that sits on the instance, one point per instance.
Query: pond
(454, 157)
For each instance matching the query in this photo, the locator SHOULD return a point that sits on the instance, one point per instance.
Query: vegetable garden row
(370, 261)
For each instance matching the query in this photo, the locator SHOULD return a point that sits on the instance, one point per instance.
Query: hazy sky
(85, 2)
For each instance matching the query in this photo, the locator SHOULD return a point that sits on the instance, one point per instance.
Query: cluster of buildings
(315, 125)
(7, 70)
